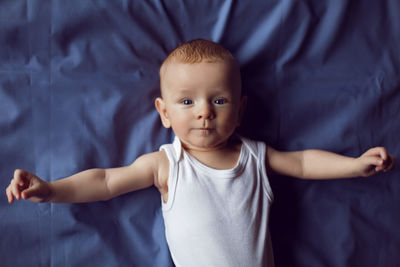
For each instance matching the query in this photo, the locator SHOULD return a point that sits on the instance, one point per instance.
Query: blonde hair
(197, 51)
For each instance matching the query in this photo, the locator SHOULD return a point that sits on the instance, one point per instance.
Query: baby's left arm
(319, 164)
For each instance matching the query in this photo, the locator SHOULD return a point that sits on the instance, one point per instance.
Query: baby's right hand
(26, 185)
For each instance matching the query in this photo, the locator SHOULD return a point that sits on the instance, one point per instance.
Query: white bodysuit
(218, 218)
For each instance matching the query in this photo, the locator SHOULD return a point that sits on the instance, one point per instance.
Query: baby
(213, 183)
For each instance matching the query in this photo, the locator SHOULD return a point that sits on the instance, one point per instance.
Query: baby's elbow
(301, 174)
(299, 167)
(108, 192)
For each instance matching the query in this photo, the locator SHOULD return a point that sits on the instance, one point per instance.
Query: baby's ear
(160, 106)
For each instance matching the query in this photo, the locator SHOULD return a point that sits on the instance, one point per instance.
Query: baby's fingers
(22, 177)
(15, 188)
(377, 151)
(35, 192)
(10, 196)
(13, 191)
(389, 163)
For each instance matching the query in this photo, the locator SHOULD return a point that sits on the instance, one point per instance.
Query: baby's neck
(221, 157)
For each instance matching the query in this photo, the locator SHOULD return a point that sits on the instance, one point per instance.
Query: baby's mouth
(203, 131)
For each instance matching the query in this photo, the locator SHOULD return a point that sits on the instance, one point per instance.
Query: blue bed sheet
(78, 81)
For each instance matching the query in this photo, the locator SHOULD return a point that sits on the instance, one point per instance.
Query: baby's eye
(187, 102)
(220, 101)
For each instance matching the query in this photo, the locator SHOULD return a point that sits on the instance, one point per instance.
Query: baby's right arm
(90, 185)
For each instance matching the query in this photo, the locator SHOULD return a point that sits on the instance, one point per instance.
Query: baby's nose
(205, 111)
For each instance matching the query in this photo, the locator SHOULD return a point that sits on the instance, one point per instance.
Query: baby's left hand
(375, 160)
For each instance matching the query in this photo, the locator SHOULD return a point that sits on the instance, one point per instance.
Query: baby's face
(201, 102)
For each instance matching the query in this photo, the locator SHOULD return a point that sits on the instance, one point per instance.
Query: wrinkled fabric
(78, 81)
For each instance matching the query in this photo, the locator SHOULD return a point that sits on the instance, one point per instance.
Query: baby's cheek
(232, 120)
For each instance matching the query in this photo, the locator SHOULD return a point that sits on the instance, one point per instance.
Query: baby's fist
(26, 185)
(376, 160)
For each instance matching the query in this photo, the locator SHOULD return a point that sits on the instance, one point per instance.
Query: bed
(78, 81)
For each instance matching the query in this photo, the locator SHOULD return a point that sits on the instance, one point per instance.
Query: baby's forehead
(175, 65)
(172, 72)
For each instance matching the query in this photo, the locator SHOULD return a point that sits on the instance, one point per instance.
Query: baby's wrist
(357, 167)
(51, 192)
